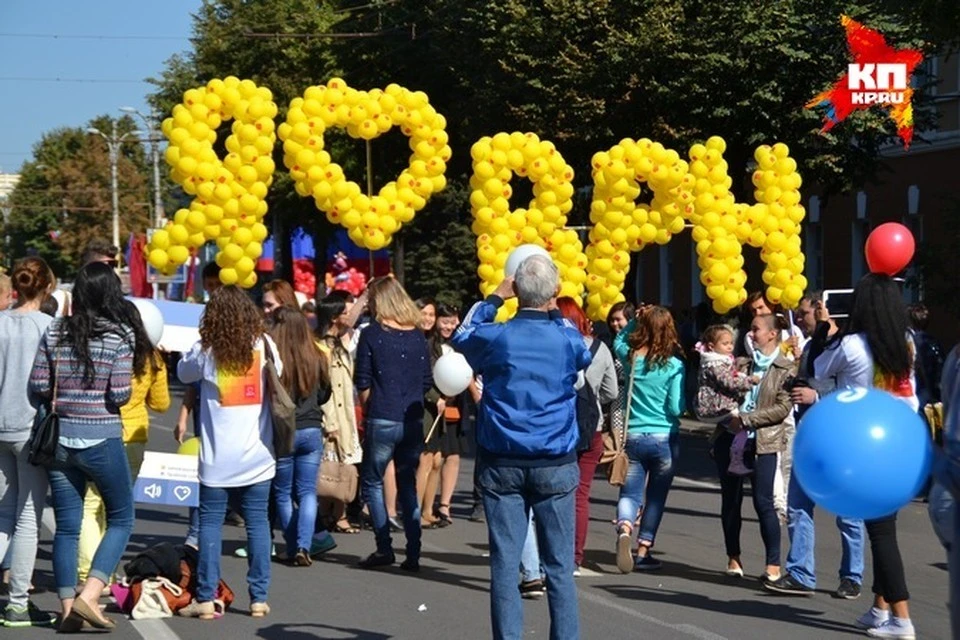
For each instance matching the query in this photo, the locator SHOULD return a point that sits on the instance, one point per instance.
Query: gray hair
(536, 281)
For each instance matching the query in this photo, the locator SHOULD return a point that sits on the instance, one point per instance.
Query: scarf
(761, 363)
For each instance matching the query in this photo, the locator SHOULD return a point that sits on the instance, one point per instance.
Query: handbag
(45, 435)
(157, 598)
(282, 408)
(337, 480)
(614, 455)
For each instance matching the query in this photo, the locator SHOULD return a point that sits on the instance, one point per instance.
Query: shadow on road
(303, 631)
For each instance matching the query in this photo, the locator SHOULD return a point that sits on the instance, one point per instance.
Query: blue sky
(138, 37)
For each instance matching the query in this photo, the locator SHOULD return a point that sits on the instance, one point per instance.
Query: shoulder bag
(282, 408)
(614, 455)
(337, 480)
(45, 435)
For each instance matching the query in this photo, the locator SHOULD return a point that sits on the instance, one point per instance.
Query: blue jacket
(527, 414)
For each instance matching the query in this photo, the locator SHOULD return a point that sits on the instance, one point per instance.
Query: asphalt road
(690, 599)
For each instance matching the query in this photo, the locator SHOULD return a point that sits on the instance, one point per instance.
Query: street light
(152, 130)
(113, 146)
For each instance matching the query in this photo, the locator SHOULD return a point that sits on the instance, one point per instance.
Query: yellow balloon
(178, 254)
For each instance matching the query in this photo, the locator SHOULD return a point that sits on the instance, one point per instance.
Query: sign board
(168, 478)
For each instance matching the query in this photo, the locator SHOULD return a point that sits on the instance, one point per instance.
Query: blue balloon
(862, 453)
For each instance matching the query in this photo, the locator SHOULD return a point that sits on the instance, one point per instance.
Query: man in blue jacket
(527, 440)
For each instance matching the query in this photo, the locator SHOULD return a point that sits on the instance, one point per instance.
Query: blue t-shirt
(394, 365)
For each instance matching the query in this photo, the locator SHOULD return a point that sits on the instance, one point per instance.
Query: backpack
(588, 407)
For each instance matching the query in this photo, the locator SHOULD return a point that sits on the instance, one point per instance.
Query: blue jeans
(105, 465)
(296, 480)
(530, 556)
(509, 494)
(800, 559)
(653, 455)
(213, 508)
(385, 440)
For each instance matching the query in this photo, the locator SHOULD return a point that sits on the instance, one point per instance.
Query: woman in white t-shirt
(875, 350)
(236, 440)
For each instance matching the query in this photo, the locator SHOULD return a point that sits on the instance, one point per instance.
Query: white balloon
(520, 254)
(452, 374)
(151, 317)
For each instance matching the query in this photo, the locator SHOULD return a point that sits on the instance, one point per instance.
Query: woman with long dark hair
(392, 374)
(646, 347)
(236, 440)
(874, 350)
(89, 359)
(306, 379)
(23, 486)
(335, 320)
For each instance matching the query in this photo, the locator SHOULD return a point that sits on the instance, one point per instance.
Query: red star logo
(872, 53)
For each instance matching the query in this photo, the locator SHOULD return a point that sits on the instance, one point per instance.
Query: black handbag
(45, 435)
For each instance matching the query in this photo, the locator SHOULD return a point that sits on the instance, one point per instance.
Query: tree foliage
(64, 197)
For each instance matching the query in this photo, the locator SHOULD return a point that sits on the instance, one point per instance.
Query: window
(813, 246)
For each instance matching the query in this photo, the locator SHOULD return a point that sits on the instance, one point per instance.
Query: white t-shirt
(852, 364)
(236, 429)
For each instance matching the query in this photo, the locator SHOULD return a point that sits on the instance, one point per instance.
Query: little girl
(721, 388)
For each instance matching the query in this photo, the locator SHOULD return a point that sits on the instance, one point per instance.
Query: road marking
(697, 483)
(154, 630)
(687, 629)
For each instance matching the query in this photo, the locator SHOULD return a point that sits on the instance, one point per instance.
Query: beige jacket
(339, 415)
(773, 407)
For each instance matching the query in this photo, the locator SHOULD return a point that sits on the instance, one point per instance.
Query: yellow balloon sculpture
(371, 221)
(622, 225)
(499, 229)
(229, 194)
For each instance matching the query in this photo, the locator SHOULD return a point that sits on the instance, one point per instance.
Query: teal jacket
(656, 397)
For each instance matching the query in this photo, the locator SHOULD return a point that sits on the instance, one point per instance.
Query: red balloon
(889, 248)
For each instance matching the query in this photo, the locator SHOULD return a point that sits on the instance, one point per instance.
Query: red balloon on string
(889, 248)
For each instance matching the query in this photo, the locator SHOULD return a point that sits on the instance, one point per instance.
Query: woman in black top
(392, 373)
(306, 379)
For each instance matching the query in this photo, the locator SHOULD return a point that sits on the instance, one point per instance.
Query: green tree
(64, 200)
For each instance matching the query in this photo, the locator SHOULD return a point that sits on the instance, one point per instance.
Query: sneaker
(411, 565)
(894, 627)
(241, 552)
(872, 618)
(532, 589)
(576, 572)
(787, 586)
(477, 514)
(377, 559)
(320, 546)
(28, 616)
(848, 590)
(647, 563)
(625, 552)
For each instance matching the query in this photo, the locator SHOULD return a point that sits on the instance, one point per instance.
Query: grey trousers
(23, 491)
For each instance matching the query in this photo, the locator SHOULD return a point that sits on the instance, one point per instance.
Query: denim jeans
(509, 494)
(296, 480)
(385, 440)
(653, 455)
(530, 556)
(213, 508)
(23, 492)
(800, 559)
(105, 465)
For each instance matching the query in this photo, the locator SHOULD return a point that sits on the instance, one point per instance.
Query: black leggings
(731, 499)
(889, 581)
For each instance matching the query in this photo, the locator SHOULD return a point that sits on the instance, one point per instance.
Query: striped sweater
(86, 412)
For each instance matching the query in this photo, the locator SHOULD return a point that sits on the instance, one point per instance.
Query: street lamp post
(152, 130)
(113, 147)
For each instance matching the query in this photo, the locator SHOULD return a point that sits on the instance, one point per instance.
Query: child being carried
(721, 388)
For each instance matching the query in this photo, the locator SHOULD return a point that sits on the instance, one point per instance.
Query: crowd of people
(377, 445)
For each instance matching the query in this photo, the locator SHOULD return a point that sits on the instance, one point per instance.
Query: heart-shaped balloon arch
(643, 193)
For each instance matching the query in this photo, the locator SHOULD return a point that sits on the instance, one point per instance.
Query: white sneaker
(625, 552)
(873, 618)
(576, 572)
(894, 627)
